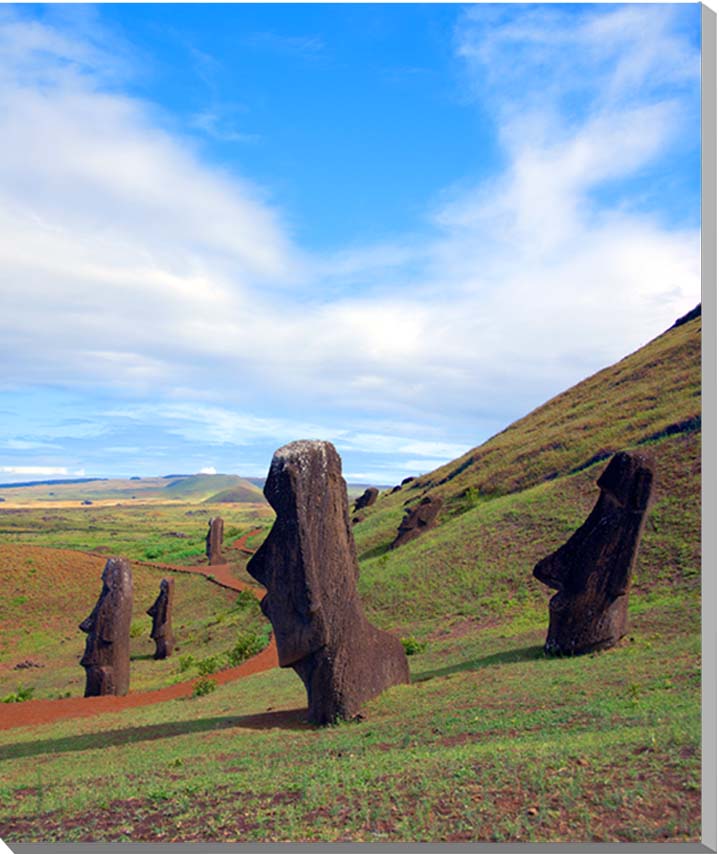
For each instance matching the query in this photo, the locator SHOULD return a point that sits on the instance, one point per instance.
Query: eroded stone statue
(367, 499)
(213, 541)
(107, 649)
(592, 570)
(161, 613)
(417, 520)
(309, 566)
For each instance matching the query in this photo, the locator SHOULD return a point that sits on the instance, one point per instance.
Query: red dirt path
(34, 712)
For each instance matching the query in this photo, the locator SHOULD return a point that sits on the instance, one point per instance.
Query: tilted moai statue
(213, 541)
(592, 570)
(367, 499)
(418, 520)
(309, 566)
(161, 613)
(107, 649)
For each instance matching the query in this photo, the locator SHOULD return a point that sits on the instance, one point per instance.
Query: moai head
(592, 570)
(367, 499)
(161, 613)
(417, 520)
(213, 541)
(107, 649)
(309, 567)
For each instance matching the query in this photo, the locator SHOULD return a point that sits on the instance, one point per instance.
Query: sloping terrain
(492, 741)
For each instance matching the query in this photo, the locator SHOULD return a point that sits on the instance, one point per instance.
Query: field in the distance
(492, 741)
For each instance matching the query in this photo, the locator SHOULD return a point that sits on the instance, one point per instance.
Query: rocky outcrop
(367, 499)
(213, 541)
(592, 570)
(309, 566)
(107, 648)
(161, 613)
(418, 520)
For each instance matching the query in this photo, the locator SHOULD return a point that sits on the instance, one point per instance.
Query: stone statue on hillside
(309, 566)
(107, 649)
(367, 499)
(161, 613)
(592, 570)
(418, 520)
(213, 541)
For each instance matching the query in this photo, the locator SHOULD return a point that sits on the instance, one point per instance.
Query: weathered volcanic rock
(592, 570)
(309, 566)
(213, 541)
(107, 649)
(418, 520)
(367, 499)
(161, 613)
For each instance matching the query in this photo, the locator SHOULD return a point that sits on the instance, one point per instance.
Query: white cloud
(208, 470)
(44, 470)
(150, 271)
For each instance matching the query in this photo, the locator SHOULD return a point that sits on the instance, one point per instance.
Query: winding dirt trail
(34, 712)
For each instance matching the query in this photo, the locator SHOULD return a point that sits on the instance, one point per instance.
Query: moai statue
(213, 541)
(592, 570)
(367, 499)
(416, 521)
(107, 649)
(161, 613)
(309, 566)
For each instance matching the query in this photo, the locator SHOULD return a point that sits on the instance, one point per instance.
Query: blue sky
(396, 227)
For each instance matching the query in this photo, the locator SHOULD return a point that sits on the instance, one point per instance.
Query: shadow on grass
(377, 551)
(510, 656)
(292, 719)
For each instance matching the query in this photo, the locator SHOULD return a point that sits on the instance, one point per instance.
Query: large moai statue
(309, 566)
(161, 613)
(213, 541)
(418, 520)
(592, 570)
(107, 649)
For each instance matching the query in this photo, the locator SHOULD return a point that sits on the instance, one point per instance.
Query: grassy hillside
(492, 741)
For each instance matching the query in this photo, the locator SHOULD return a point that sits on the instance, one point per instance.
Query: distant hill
(192, 488)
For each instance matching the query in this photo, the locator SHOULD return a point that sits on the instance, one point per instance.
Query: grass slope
(492, 741)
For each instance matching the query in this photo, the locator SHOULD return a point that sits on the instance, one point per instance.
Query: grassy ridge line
(618, 408)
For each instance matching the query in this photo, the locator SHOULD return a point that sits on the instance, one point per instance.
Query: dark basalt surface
(309, 566)
(367, 499)
(107, 649)
(592, 570)
(213, 541)
(418, 520)
(161, 613)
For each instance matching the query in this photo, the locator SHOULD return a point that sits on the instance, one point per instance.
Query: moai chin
(309, 566)
(107, 648)
(161, 613)
(213, 541)
(592, 570)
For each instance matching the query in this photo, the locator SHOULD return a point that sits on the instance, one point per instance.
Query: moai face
(161, 613)
(107, 648)
(592, 570)
(284, 563)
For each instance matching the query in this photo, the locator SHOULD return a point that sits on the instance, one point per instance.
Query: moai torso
(213, 541)
(107, 648)
(309, 566)
(161, 613)
(592, 570)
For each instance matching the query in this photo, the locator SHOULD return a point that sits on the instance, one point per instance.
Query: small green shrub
(20, 695)
(152, 553)
(245, 600)
(412, 646)
(248, 644)
(208, 665)
(185, 662)
(204, 686)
